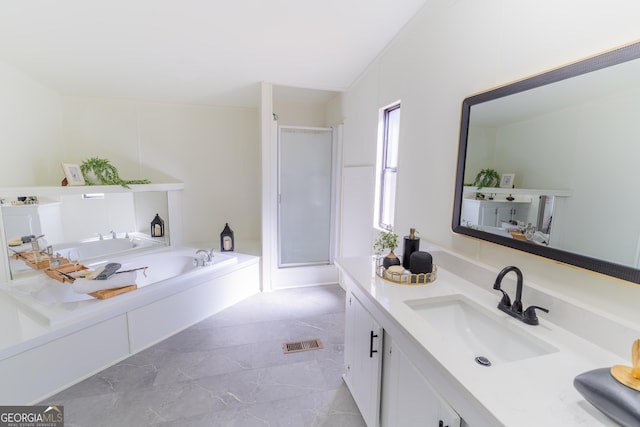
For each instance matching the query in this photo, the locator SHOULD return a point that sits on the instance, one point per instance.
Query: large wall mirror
(87, 227)
(566, 147)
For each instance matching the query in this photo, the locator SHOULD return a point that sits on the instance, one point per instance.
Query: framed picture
(507, 180)
(73, 174)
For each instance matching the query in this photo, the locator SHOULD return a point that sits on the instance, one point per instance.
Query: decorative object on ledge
(387, 240)
(614, 391)
(399, 275)
(72, 175)
(629, 375)
(157, 227)
(25, 201)
(507, 180)
(97, 171)
(226, 239)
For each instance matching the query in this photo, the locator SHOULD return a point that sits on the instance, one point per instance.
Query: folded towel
(86, 286)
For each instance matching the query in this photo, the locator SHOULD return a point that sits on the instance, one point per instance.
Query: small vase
(91, 178)
(390, 259)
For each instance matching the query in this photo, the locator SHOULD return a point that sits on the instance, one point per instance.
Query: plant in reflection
(487, 178)
(97, 171)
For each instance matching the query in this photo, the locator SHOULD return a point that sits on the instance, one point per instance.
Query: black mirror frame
(607, 59)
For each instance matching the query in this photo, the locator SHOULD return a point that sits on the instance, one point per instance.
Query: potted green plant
(97, 171)
(487, 178)
(387, 240)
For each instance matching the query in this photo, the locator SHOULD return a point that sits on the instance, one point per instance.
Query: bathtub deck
(42, 358)
(55, 303)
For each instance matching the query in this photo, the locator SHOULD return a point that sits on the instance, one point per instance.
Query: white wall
(215, 151)
(450, 50)
(30, 131)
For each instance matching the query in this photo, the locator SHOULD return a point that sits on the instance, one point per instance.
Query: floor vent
(295, 347)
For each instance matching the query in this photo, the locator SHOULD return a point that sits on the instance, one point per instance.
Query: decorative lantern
(157, 227)
(226, 239)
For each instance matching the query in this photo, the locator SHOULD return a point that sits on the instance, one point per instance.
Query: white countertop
(530, 392)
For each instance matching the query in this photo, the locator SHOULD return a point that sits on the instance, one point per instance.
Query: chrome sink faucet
(206, 260)
(515, 309)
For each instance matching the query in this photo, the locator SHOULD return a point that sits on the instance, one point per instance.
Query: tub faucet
(515, 309)
(207, 259)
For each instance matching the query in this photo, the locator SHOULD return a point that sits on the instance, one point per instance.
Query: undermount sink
(486, 336)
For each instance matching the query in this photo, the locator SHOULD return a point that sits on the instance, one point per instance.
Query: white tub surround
(45, 346)
(54, 302)
(532, 390)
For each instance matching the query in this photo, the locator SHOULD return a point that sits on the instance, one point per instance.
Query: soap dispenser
(411, 244)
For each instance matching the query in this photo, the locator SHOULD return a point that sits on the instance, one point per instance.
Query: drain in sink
(481, 360)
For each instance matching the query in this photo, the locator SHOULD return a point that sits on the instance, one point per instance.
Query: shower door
(304, 196)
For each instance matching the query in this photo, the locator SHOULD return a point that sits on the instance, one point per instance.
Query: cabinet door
(362, 352)
(487, 214)
(470, 212)
(407, 397)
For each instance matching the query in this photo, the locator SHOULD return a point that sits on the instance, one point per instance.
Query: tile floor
(229, 370)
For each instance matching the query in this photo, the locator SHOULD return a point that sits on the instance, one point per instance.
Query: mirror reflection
(80, 228)
(564, 145)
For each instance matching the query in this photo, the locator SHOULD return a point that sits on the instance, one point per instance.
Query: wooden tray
(517, 234)
(74, 268)
(30, 259)
(406, 277)
(57, 273)
(108, 293)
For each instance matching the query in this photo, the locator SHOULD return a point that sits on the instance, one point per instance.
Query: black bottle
(411, 244)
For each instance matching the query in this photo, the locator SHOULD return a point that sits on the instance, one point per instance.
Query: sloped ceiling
(196, 51)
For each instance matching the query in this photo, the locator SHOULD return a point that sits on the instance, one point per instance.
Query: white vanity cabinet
(386, 385)
(407, 397)
(363, 359)
(493, 212)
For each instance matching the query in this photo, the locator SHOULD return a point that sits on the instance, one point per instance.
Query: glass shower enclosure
(304, 196)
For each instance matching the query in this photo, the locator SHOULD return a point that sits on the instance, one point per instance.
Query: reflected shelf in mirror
(523, 191)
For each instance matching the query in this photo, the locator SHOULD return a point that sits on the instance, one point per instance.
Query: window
(387, 170)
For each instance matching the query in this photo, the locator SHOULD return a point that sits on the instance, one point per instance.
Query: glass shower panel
(304, 184)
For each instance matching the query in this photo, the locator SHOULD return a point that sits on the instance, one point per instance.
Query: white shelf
(530, 191)
(7, 192)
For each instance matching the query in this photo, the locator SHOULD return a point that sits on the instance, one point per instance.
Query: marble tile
(230, 370)
(331, 408)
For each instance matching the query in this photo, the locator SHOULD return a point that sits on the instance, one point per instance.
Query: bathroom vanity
(416, 354)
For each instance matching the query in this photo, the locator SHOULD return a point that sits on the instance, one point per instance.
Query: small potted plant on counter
(387, 240)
